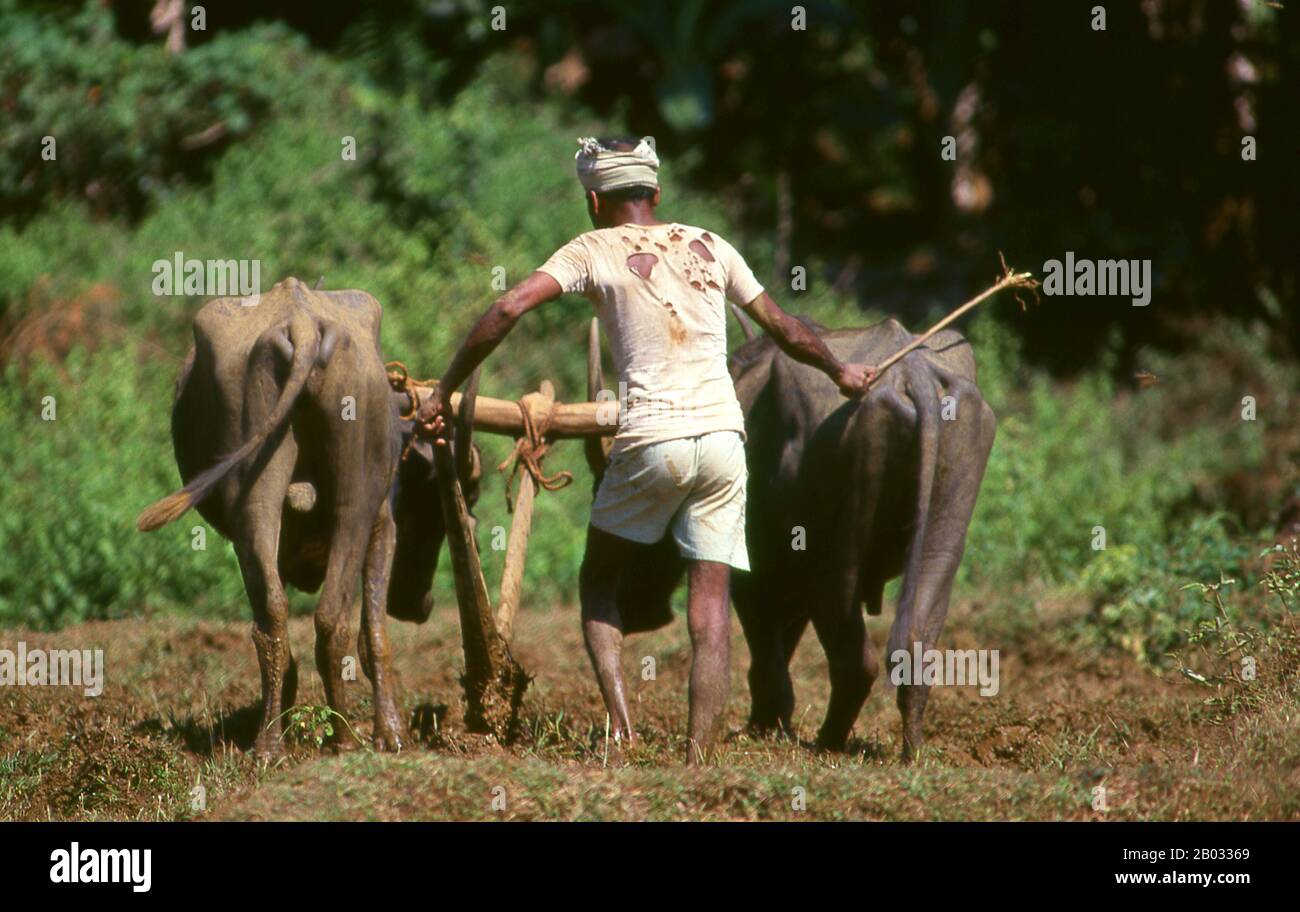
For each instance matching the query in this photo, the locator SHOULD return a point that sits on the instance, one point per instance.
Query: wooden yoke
(568, 420)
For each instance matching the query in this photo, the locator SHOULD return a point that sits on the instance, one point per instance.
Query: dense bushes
(1110, 495)
(73, 484)
(438, 198)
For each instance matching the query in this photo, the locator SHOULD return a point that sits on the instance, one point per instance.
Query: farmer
(677, 461)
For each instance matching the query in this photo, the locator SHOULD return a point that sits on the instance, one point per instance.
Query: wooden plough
(494, 681)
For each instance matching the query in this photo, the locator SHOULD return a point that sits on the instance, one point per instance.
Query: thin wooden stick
(494, 682)
(1009, 280)
(521, 525)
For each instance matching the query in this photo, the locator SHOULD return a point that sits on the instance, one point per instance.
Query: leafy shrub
(130, 122)
(74, 485)
(1245, 655)
(1073, 457)
(1139, 596)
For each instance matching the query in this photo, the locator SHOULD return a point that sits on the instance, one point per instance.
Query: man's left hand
(854, 379)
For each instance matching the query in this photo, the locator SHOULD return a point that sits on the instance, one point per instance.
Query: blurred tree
(825, 139)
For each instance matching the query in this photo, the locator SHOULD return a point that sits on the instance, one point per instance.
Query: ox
(844, 496)
(288, 436)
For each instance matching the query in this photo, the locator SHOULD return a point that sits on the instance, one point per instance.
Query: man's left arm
(801, 343)
(491, 328)
(790, 334)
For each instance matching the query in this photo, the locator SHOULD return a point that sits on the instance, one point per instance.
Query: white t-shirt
(660, 292)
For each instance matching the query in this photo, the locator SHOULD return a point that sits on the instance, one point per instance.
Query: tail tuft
(159, 514)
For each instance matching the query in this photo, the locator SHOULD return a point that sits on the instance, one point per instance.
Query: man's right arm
(798, 341)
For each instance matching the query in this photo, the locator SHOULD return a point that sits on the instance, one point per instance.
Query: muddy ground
(166, 738)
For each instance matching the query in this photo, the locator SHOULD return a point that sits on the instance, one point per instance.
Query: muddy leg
(707, 617)
(911, 705)
(932, 600)
(257, 563)
(332, 633)
(923, 625)
(372, 642)
(602, 624)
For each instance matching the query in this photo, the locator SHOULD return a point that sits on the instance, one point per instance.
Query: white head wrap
(602, 169)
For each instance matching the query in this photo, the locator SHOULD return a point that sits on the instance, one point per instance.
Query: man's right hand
(854, 379)
(433, 418)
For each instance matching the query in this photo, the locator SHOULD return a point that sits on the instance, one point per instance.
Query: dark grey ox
(870, 489)
(288, 436)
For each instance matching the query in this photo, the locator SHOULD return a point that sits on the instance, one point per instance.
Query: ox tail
(305, 339)
(921, 390)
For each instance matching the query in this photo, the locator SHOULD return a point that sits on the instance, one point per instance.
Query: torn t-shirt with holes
(660, 292)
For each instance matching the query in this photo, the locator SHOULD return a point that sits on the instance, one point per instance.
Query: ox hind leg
(771, 643)
(347, 550)
(279, 671)
(372, 642)
(931, 611)
(257, 549)
(852, 662)
(264, 483)
(923, 604)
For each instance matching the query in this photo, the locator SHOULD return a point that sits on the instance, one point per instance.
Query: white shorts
(696, 485)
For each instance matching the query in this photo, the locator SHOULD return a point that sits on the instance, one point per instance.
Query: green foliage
(313, 725)
(131, 123)
(1081, 465)
(72, 489)
(1239, 654)
(1283, 578)
(1139, 598)
(1071, 458)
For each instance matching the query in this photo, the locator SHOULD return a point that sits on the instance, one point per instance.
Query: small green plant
(313, 725)
(1139, 601)
(1282, 579)
(1234, 656)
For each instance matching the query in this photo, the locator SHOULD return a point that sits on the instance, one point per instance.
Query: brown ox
(287, 436)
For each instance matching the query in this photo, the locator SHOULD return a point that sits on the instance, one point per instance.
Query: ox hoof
(267, 749)
(836, 744)
(391, 742)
